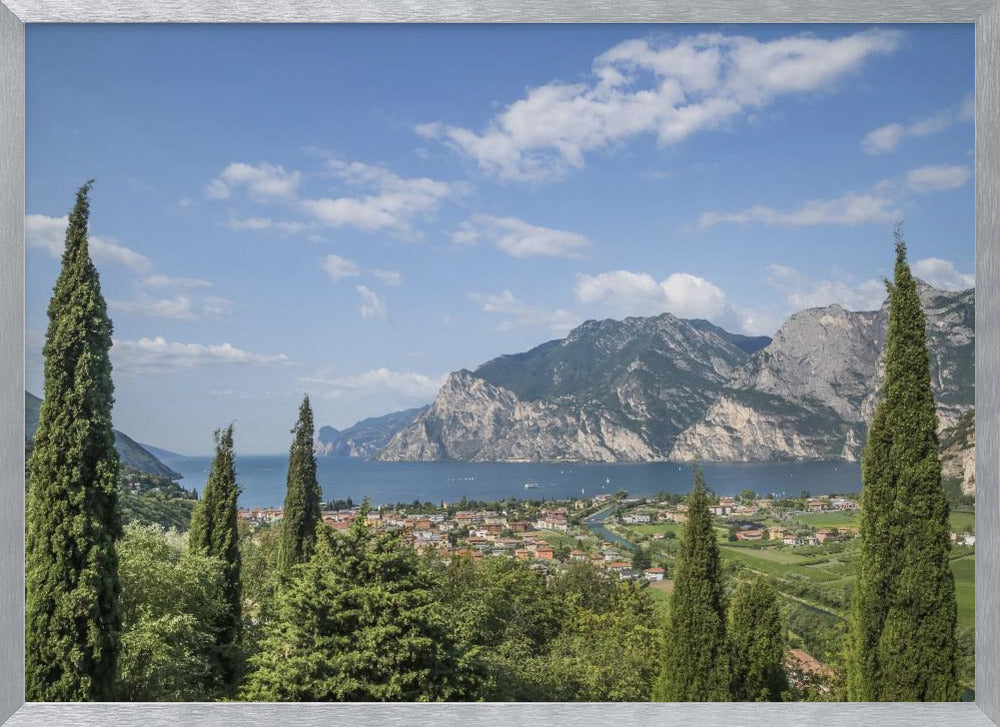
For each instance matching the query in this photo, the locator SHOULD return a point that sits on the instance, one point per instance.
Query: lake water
(262, 478)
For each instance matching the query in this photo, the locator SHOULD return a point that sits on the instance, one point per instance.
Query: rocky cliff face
(958, 452)
(610, 391)
(811, 392)
(662, 388)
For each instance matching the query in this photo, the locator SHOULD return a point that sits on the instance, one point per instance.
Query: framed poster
(643, 190)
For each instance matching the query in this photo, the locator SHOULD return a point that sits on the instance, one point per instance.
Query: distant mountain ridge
(366, 438)
(130, 452)
(663, 388)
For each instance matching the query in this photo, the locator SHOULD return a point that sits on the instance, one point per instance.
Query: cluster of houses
(476, 534)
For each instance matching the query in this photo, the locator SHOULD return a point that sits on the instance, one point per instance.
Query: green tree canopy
(902, 640)
(695, 651)
(172, 602)
(214, 532)
(72, 616)
(758, 644)
(358, 622)
(302, 497)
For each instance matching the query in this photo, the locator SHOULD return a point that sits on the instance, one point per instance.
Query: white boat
(531, 485)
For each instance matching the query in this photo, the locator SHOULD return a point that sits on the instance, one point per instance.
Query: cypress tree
(302, 498)
(902, 643)
(757, 644)
(214, 532)
(73, 617)
(695, 655)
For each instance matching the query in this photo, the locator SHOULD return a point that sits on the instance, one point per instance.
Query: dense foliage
(358, 622)
(172, 603)
(302, 497)
(214, 532)
(73, 618)
(695, 650)
(758, 643)
(903, 620)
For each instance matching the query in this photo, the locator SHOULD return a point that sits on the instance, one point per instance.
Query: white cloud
(393, 202)
(261, 181)
(517, 313)
(372, 307)
(157, 355)
(217, 189)
(49, 234)
(625, 293)
(802, 293)
(937, 178)
(215, 306)
(672, 90)
(184, 202)
(250, 223)
(850, 209)
(380, 381)
(942, 274)
(887, 138)
(390, 277)
(521, 239)
(176, 308)
(165, 281)
(339, 268)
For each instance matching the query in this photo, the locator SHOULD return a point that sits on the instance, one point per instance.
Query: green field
(964, 569)
(557, 539)
(963, 522)
(838, 519)
(779, 563)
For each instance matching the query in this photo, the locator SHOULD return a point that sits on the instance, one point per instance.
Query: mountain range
(665, 388)
(130, 453)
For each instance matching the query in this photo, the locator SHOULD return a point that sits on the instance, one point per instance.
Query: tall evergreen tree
(757, 644)
(902, 642)
(73, 618)
(214, 532)
(302, 498)
(695, 654)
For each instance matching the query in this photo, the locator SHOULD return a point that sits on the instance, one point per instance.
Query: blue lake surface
(262, 479)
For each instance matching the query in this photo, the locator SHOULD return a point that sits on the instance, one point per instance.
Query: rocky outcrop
(958, 452)
(811, 392)
(611, 391)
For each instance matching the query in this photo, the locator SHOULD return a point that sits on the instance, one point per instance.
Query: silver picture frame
(985, 14)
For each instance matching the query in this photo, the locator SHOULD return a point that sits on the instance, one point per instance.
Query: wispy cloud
(165, 281)
(261, 181)
(670, 89)
(372, 306)
(179, 307)
(338, 268)
(887, 138)
(391, 278)
(943, 274)
(802, 292)
(939, 178)
(850, 209)
(521, 239)
(392, 203)
(49, 234)
(517, 313)
(379, 381)
(159, 356)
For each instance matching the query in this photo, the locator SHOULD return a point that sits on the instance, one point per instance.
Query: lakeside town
(606, 529)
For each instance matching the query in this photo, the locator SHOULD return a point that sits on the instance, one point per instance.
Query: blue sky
(355, 211)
